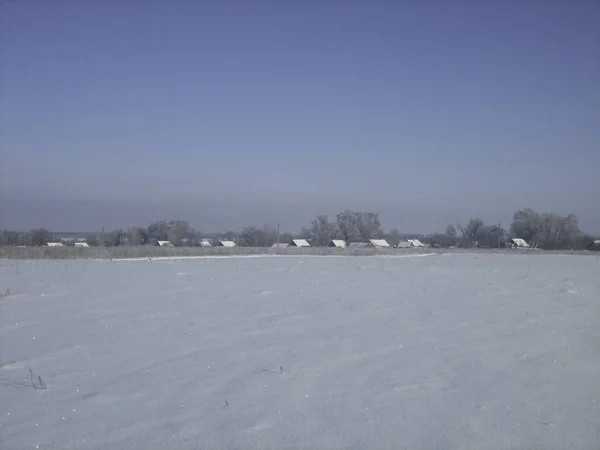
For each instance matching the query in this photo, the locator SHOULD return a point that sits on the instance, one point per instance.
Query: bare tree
(158, 231)
(469, 233)
(9, 237)
(369, 225)
(490, 236)
(269, 234)
(451, 231)
(551, 230)
(321, 231)
(346, 223)
(178, 232)
(117, 238)
(355, 226)
(134, 236)
(252, 237)
(527, 224)
(39, 237)
(393, 236)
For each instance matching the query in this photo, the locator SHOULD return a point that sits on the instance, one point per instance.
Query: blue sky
(237, 113)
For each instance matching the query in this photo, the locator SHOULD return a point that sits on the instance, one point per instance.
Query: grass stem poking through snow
(36, 381)
(9, 292)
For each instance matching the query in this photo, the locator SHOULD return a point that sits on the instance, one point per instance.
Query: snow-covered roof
(55, 244)
(205, 243)
(227, 243)
(415, 243)
(520, 242)
(81, 244)
(404, 244)
(380, 243)
(338, 243)
(359, 244)
(164, 244)
(299, 243)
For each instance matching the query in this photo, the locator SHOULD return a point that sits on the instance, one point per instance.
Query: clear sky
(228, 114)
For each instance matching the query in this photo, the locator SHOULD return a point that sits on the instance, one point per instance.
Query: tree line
(548, 230)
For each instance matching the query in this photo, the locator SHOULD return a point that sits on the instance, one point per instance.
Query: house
(226, 244)
(55, 244)
(522, 244)
(299, 243)
(519, 243)
(594, 245)
(411, 243)
(359, 245)
(81, 245)
(205, 243)
(338, 243)
(280, 245)
(164, 244)
(379, 243)
(371, 243)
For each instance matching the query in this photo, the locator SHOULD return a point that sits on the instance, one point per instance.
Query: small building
(164, 244)
(411, 243)
(519, 243)
(55, 244)
(280, 245)
(338, 243)
(379, 243)
(299, 243)
(205, 243)
(226, 244)
(359, 245)
(594, 245)
(81, 245)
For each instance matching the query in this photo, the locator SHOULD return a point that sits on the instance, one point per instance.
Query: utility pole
(499, 234)
(102, 243)
(277, 234)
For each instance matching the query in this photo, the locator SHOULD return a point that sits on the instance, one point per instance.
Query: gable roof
(339, 243)
(299, 243)
(520, 242)
(379, 243)
(359, 244)
(226, 244)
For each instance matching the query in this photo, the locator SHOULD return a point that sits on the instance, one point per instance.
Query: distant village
(348, 229)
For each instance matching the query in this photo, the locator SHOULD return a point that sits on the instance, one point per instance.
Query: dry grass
(145, 252)
(157, 252)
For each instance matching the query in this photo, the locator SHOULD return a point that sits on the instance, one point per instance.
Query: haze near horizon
(228, 114)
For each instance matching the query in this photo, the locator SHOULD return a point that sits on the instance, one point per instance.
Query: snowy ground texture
(457, 351)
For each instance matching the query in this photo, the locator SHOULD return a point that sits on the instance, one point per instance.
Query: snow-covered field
(457, 351)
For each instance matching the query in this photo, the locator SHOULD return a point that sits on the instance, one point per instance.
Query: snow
(470, 351)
